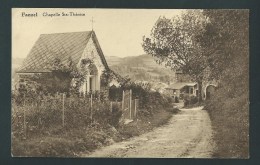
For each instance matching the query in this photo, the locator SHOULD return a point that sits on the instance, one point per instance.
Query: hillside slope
(141, 68)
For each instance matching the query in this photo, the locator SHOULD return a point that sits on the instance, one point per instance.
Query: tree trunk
(199, 91)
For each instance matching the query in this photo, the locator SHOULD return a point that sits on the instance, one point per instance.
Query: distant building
(185, 86)
(180, 89)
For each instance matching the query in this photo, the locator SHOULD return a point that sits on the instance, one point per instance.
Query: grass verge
(231, 127)
(144, 124)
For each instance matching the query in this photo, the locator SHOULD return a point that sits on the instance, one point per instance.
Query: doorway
(91, 84)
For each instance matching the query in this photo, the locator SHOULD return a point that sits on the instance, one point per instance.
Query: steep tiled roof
(57, 45)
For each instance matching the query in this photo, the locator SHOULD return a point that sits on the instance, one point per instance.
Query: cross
(92, 22)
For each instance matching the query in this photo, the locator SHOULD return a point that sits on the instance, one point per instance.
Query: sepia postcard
(130, 83)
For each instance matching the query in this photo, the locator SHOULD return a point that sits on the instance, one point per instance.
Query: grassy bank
(144, 124)
(230, 126)
(229, 106)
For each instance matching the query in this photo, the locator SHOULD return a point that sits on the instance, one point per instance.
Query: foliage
(148, 99)
(230, 120)
(229, 108)
(190, 100)
(44, 114)
(174, 43)
(226, 37)
(109, 75)
(44, 124)
(115, 94)
(79, 74)
(58, 80)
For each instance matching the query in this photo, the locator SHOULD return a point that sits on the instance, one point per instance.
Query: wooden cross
(92, 22)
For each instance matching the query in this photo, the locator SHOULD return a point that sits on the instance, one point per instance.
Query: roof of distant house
(178, 71)
(61, 46)
(180, 85)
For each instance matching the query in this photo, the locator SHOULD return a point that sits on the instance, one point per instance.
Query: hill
(141, 68)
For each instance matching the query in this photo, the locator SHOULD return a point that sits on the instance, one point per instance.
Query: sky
(119, 31)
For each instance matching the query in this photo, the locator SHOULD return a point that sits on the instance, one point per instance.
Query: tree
(228, 34)
(174, 43)
(226, 39)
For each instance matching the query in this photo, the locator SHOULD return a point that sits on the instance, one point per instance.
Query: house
(180, 89)
(185, 86)
(80, 47)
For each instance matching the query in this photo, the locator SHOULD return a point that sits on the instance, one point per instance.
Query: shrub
(190, 100)
(115, 117)
(193, 99)
(230, 120)
(176, 99)
(44, 115)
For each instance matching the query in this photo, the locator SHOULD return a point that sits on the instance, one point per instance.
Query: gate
(129, 105)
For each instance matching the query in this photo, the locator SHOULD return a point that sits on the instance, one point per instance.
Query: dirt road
(187, 134)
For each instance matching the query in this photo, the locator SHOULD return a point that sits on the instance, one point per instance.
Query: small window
(191, 91)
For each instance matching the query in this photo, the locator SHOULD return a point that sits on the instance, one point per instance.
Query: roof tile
(57, 45)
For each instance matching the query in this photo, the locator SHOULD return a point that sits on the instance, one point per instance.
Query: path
(187, 135)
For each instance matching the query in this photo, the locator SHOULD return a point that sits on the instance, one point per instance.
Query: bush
(44, 115)
(143, 93)
(190, 100)
(230, 120)
(176, 99)
(194, 100)
(115, 116)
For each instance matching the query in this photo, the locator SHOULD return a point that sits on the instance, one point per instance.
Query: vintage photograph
(130, 83)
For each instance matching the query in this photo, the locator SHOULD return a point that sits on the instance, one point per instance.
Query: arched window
(93, 69)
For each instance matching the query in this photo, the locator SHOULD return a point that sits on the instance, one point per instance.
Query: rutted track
(187, 134)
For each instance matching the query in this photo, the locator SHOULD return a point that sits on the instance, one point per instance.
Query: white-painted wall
(90, 52)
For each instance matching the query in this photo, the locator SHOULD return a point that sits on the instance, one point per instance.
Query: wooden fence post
(130, 106)
(91, 107)
(135, 108)
(123, 99)
(63, 109)
(24, 121)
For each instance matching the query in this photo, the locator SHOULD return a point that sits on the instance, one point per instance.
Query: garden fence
(129, 106)
(47, 115)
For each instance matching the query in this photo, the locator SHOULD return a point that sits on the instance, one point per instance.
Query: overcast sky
(119, 31)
